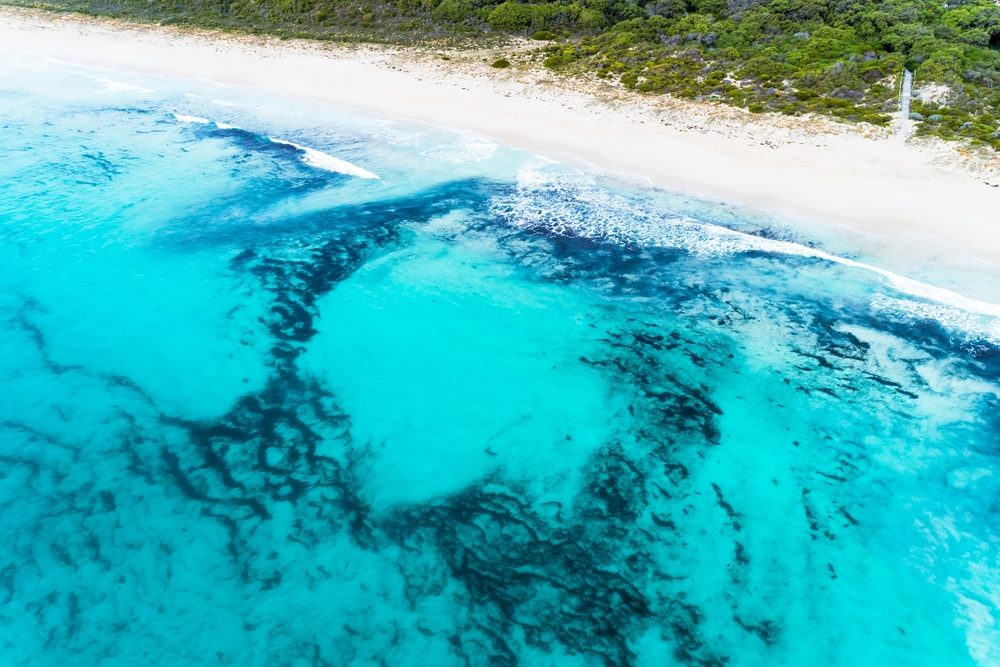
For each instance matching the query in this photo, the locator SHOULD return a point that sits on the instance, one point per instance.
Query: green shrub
(591, 19)
(454, 11)
(501, 63)
(510, 16)
(544, 35)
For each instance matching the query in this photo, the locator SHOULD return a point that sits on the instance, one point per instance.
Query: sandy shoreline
(918, 208)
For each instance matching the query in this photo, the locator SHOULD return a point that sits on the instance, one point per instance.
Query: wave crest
(311, 156)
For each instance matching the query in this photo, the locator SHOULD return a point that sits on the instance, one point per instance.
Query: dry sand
(920, 207)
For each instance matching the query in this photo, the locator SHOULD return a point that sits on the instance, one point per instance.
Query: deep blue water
(259, 408)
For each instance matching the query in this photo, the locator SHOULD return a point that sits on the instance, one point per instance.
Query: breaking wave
(311, 156)
(564, 203)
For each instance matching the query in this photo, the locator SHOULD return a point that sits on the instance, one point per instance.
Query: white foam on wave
(953, 317)
(466, 150)
(113, 86)
(213, 100)
(184, 118)
(310, 156)
(562, 203)
(325, 161)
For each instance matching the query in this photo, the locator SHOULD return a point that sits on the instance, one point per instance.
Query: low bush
(510, 16)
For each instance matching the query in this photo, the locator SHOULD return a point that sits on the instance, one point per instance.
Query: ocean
(281, 384)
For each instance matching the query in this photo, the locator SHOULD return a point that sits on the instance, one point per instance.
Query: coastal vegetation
(840, 58)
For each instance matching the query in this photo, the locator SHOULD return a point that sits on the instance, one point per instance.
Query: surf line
(311, 156)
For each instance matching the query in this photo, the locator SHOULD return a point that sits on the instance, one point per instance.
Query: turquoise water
(411, 398)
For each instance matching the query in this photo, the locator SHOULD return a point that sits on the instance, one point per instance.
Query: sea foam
(112, 86)
(311, 156)
(562, 202)
(325, 161)
(184, 118)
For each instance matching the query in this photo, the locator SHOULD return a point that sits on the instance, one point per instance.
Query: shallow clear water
(259, 409)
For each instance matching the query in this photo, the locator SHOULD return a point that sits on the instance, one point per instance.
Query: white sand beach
(916, 206)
